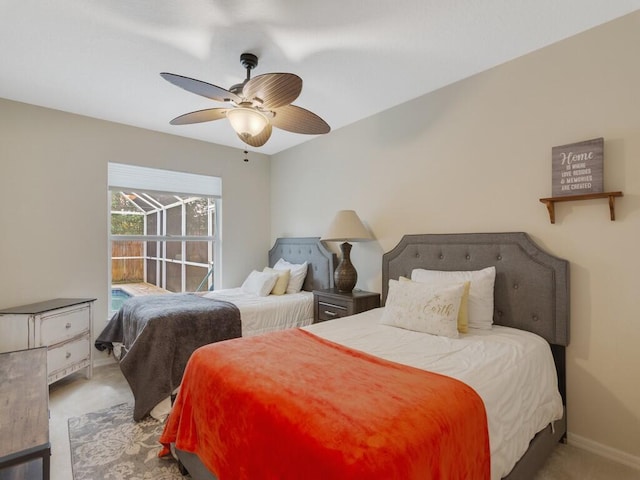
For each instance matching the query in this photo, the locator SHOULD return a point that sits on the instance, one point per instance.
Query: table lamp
(346, 227)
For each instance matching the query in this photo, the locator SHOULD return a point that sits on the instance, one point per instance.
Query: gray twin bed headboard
(322, 262)
(531, 287)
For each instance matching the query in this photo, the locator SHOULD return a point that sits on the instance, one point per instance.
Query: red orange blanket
(290, 405)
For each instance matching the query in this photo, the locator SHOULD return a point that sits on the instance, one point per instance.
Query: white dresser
(63, 325)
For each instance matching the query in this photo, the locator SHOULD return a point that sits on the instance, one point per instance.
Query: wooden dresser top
(40, 307)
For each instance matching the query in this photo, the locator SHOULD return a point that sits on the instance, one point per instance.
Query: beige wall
(476, 157)
(53, 201)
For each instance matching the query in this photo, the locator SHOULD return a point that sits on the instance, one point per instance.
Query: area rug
(109, 445)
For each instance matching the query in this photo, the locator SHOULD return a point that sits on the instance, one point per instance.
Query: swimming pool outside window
(118, 297)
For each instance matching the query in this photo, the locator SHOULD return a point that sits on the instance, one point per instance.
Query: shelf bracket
(612, 207)
(551, 208)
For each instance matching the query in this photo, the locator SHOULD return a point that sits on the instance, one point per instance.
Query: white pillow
(480, 290)
(423, 308)
(298, 272)
(260, 283)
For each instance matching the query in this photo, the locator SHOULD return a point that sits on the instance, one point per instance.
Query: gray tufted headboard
(322, 262)
(531, 288)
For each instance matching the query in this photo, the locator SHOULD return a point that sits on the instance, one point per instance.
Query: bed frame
(531, 293)
(322, 262)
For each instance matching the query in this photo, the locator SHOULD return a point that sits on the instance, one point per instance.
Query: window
(163, 228)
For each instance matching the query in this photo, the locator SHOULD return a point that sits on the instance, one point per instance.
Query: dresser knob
(68, 355)
(68, 325)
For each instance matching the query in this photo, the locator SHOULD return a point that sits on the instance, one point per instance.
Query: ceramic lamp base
(345, 276)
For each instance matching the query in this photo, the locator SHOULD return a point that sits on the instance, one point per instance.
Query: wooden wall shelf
(551, 201)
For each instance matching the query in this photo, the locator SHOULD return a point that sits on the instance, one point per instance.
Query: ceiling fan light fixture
(247, 121)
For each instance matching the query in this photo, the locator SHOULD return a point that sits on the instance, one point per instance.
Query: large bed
(515, 367)
(157, 333)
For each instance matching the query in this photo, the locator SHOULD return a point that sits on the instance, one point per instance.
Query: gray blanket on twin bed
(159, 333)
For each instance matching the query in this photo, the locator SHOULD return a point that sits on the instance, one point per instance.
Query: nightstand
(330, 303)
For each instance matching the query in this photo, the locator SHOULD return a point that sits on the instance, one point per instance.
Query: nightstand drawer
(328, 311)
(331, 303)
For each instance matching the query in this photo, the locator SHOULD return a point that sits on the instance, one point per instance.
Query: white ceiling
(102, 58)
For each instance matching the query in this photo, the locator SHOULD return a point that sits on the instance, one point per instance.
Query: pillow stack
(298, 272)
(440, 302)
(283, 278)
(481, 283)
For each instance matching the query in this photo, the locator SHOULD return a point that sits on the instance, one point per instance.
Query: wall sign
(576, 169)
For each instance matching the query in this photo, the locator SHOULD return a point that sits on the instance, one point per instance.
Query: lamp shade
(347, 227)
(247, 121)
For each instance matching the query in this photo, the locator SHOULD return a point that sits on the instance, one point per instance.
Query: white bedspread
(512, 371)
(267, 314)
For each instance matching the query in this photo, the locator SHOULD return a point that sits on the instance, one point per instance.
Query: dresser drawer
(65, 355)
(63, 324)
(329, 311)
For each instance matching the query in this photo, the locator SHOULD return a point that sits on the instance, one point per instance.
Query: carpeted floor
(109, 445)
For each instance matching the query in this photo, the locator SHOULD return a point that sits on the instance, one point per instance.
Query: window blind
(132, 177)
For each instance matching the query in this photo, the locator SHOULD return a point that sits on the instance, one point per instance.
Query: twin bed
(359, 398)
(158, 333)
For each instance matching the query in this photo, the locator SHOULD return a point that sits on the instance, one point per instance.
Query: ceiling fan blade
(273, 90)
(299, 120)
(200, 116)
(257, 140)
(198, 87)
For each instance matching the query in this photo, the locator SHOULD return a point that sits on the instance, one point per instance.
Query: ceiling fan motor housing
(248, 60)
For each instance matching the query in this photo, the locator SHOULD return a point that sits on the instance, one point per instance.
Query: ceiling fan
(256, 105)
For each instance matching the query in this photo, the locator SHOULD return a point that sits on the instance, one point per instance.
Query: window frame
(123, 178)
